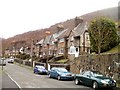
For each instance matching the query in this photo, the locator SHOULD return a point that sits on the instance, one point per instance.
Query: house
(79, 42)
(39, 48)
(57, 41)
(63, 43)
(75, 41)
(48, 46)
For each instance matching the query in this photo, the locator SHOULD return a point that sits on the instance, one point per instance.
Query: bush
(23, 56)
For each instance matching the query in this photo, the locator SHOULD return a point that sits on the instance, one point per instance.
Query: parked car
(60, 73)
(40, 69)
(94, 79)
(2, 62)
(10, 60)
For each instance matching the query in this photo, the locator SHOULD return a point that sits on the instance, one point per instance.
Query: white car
(11, 60)
(2, 62)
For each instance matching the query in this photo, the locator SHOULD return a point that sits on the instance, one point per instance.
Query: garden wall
(108, 64)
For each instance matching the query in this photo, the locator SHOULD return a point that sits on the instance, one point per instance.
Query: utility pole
(47, 34)
(32, 52)
(47, 56)
(2, 53)
(14, 48)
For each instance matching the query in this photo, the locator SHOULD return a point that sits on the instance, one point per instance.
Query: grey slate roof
(80, 29)
(65, 34)
(56, 35)
(51, 38)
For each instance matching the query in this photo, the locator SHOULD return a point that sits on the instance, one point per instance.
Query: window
(86, 73)
(72, 49)
(53, 69)
(49, 52)
(72, 38)
(88, 50)
(61, 40)
(76, 49)
(61, 50)
(87, 36)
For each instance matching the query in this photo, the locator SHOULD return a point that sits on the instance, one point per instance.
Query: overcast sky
(19, 16)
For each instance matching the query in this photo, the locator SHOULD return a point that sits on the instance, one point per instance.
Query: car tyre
(34, 72)
(49, 75)
(58, 77)
(95, 85)
(76, 81)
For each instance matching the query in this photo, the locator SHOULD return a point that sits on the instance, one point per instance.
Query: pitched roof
(80, 29)
(65, 34)
(40, 42)
(56, 35)
(47, 39)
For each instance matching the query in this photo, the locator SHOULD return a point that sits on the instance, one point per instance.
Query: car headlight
(104, 82)
(73, 74)
(114, 81)
(63, 75)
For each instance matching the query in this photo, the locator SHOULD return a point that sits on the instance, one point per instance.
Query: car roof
(39, 66)
(58, 67)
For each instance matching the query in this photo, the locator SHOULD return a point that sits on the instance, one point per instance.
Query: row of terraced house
(64, 42)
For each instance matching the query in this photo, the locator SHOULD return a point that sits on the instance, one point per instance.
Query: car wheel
(95, 85)
(76, 81)
(49, 75)
(58, 77)
(35, 72)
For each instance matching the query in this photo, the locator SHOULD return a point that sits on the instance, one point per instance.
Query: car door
(53, 72)
(87, 78)
(35, 69)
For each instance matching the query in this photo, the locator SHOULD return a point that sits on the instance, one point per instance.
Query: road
(25, 78)
(18, 77)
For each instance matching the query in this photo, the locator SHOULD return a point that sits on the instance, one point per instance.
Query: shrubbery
(23, 56)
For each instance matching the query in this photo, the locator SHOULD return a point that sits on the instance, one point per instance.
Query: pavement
(6, 83)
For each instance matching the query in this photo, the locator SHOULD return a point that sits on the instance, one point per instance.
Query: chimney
(78, 20)
(60, 28)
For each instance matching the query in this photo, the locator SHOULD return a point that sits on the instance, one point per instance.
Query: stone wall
(108, 64)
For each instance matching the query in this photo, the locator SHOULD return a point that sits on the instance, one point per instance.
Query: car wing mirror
(89, 76)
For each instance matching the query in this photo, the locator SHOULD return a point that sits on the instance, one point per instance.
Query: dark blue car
(60, 73)
(40, 69)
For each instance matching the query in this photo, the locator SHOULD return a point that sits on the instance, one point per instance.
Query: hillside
(115, 49)
(39, 34)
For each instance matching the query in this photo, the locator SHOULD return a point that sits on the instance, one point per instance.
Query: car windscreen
(41, 67)
(96, 73)
(62, 70)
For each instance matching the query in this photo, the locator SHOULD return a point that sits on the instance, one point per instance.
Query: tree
(103, 34)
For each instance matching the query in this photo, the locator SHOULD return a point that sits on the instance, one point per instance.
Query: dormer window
(61, 40)
(87, 37)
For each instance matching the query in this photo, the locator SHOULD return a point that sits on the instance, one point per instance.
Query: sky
(20, 16)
